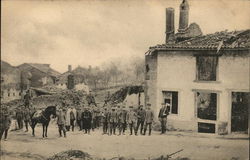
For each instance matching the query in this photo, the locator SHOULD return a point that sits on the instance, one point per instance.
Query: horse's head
(51, 110)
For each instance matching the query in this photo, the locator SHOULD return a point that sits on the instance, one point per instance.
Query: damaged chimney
(69, 68)
(183, 20)
(170, 30)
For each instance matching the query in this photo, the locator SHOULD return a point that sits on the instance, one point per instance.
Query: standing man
(90, 99)
(105, 120)
(149, 118)
(79, 117)
(19, 117)
(131, 119)
(26, 118)
(122, 120)
(61, 120)
(72, 119)
(141, 113)
(163, 117)
(27, 99)
(86, 119)
(5, 121)
(113, 121)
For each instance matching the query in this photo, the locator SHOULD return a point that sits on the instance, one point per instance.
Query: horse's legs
(43, 129)
(46, 129)
(33, 124)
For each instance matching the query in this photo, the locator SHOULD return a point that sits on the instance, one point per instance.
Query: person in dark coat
(113, 121)
(141, 113)
(19, 117)
(79, 117)
(5, 122)
(26, 118)
(86, 118)
(122, 120)
(131, 119)
(105, 120)
(164, 111)
(61, 120)
(149, 118)
(90, 99)
(72, 119)
(27, 99)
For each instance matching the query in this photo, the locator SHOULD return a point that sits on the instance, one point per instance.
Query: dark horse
(44, 118)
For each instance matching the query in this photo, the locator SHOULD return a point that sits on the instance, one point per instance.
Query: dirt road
(22, 146)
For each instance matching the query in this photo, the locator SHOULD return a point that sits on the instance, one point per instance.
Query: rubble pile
(120, 95)
(71, 155)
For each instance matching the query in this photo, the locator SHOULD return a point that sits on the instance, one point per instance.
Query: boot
(144, 132)
(141, 131)
(149, 133)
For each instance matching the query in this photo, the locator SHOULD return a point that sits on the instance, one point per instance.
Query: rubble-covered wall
(176, 71)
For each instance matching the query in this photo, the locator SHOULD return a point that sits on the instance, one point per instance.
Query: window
(14, 94)
(171, 97)
(8, 94)
(206, 105)
(206, 67)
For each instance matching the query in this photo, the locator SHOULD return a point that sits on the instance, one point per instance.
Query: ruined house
(205, 78)
(37, 75)
(10, 82)
(73, 79)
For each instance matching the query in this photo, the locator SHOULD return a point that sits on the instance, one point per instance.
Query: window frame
(217, 70)
(178, 102)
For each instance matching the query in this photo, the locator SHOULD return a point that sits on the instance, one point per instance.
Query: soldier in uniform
(105, 120)
(27, 99)
(5, 121)
(131, 119)
(90, 99)
(61, 120)
(26, 118)
(149, 118)
(19, 117)
(141, 113)
(163, 117)
(122, 120)
(86, 119)
(79, 117)
(113, 121)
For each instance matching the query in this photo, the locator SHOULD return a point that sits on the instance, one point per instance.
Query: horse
(44, 118)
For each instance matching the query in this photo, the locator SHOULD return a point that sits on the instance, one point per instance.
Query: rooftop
(215, 41)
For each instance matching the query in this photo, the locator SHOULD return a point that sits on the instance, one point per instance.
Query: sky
(93, 32)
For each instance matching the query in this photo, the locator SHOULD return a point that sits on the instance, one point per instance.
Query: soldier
(19, 117)
(149, 117)
(140, 119)
(72, 118)
(105, 120)
(27, 99)
(79, 117)
(163, 117)
(26, 118)
(5, 121)
(122, 120)
(90, 99)
(86, 119)
(131, 119)
(113, 121)
(61, 120)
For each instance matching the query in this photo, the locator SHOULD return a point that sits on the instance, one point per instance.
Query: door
(240, 109)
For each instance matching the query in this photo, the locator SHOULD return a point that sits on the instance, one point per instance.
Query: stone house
(205, 78)
(10, 82)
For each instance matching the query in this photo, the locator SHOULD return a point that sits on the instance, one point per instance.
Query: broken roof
(218, 40)
(44, 68)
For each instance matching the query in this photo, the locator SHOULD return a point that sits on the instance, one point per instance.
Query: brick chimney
(69, 68)
(170, 30)
(183, 20)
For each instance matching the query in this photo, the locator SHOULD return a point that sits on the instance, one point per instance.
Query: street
(22, 146)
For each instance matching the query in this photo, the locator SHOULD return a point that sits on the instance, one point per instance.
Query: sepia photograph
(125, 80)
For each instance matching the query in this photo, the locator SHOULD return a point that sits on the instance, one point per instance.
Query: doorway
(240, 109)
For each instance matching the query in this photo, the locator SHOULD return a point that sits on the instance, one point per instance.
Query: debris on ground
(71, 155)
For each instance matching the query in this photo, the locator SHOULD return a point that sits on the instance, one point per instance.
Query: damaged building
(205, 78)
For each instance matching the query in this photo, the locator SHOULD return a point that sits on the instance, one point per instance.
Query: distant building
(39, 75)
(205, 79)
(73, 79)
(10, 82)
